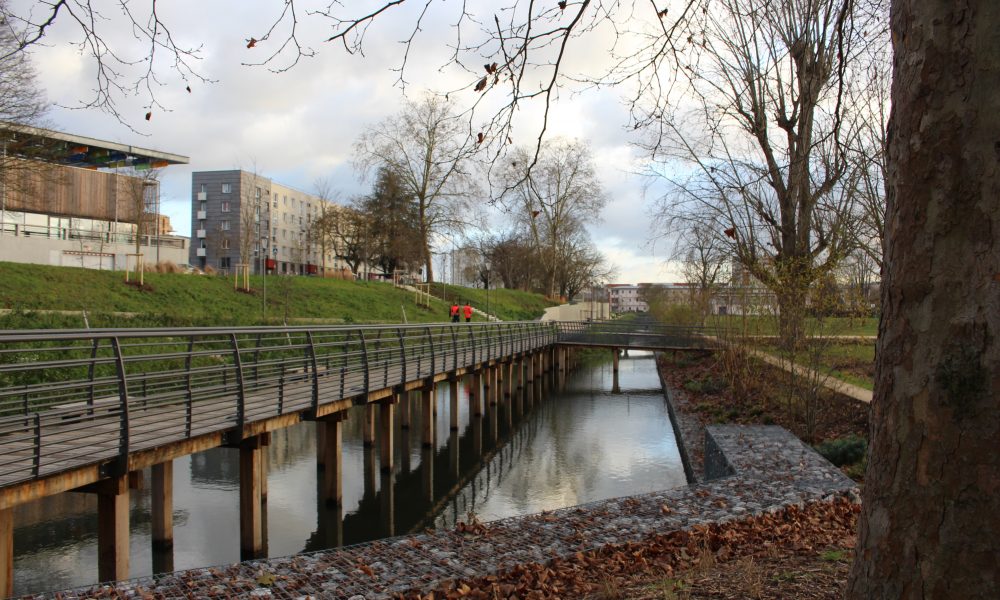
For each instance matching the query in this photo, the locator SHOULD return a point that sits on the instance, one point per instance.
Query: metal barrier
(70, 398)
(635, 334)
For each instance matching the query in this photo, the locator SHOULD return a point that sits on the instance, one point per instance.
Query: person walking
(468, 312)
(454, 312)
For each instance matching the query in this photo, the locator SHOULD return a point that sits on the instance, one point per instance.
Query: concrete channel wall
(749, 470)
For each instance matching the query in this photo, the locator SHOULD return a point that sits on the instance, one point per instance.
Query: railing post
(189, 392)
(241, 396)
(402, 353)
(454, 348)
(430, 340)
(90, 372)
(364, 359)
(472, 343)
(36, 466)
(123, 440)
(315, 370)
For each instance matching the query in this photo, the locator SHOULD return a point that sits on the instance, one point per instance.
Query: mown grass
(842, 360)
(177, 300)
(768, 325)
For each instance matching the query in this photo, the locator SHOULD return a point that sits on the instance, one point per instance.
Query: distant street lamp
(487, 295)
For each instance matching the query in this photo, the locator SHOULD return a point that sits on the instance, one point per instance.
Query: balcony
(201, 215)
(201, 251)
(200, 234)
(202, 196)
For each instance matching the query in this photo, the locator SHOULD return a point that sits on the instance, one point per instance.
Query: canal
(578, 445)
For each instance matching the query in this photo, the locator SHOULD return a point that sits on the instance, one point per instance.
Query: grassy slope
(510, 305)
(178, 299)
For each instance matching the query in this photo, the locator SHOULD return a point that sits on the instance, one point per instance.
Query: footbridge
(88, 410)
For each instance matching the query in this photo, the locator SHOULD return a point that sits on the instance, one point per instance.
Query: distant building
(65, 201)
(236, 216)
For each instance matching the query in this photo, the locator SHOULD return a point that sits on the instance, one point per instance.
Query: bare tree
(428, 149)
(758, 142)
(553, 200)
(22, 105)
(142, 189)
(253, 207)
(322, 228)
(705, 260)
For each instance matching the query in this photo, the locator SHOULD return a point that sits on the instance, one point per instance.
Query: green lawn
(851, 362)
(768, 325)
(198, 300)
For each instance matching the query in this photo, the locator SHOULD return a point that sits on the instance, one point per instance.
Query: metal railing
(635, 334)
(70, 398)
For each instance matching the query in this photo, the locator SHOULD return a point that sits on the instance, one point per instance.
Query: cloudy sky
(299, 125)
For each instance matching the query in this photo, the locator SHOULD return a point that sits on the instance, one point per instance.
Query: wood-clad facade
(44, 188)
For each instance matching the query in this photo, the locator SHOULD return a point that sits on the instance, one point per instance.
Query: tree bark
(930, 526)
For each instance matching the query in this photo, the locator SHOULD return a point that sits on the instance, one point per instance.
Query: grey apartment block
(273, 230)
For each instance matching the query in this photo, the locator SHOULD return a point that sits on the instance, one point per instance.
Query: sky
(299, 125)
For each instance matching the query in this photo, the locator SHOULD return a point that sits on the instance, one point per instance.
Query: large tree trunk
(930, 526)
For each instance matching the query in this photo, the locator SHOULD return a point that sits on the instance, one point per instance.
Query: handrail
(72, 398)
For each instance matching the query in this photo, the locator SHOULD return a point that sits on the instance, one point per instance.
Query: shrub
(844, 451)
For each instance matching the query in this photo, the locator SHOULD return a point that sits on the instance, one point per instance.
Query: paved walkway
(828, 381)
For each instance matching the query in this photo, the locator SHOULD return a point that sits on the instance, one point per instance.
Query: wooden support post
(487, 385)
(427, 473)
(491, 376)
(7, 552)
(320, 445)
(453, 399)
(476, 395)
(369, 429)
(387, 503)
(507, 372)
(406, 400)
(404, 444)
(385, 413)
(251, 517)
(615, 388)
(163, 505)
(453, 455)
(113, 529)
(427, 414)
(369, 471)
(333, 483)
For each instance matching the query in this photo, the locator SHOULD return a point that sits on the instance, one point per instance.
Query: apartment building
(243, 218)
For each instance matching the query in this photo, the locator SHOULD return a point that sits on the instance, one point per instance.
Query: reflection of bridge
(87, 410)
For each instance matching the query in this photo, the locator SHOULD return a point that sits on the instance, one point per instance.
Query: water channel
(578, 445)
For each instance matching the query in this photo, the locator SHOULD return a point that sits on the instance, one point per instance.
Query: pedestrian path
(828, 381)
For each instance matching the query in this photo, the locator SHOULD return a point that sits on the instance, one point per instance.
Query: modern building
(70, 200)
(241, 218)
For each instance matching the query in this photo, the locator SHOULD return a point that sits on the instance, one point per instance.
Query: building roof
(81, 151)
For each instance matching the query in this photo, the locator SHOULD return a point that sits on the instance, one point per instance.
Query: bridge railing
(632, 334)
(75, 397)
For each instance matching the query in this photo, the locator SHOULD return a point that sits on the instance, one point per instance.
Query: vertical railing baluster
(364, 360)
(123, 433)
(315, 370)
(430, 341)
(189, 395)
(402, 354)
(91, 369)
(241, 396)
(454, 348)
(36, 466)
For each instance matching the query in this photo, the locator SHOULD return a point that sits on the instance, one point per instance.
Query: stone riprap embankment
(749, 470)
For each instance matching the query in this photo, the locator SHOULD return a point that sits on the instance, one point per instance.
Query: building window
(258, 194)
(225, 243)
(204, 188)
(224, 225)
(224, 262)
(275, 202)
(227, 188)
(225, 206)
(203, 206)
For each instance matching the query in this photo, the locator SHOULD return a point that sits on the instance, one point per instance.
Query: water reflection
(519, 457)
